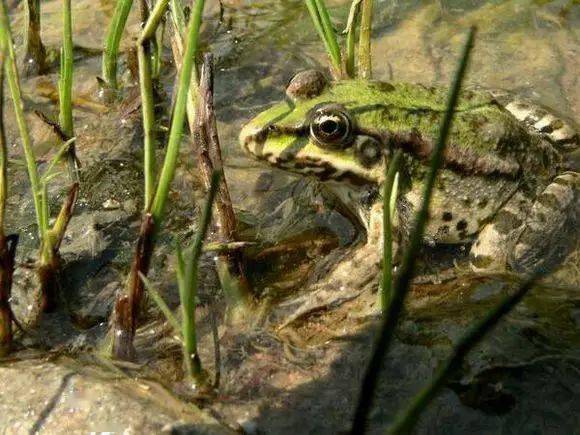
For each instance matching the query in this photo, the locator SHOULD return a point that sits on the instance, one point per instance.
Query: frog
(507, 190)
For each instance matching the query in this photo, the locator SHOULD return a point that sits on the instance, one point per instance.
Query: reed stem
(35, 52)
(173, 145)
(364, 45)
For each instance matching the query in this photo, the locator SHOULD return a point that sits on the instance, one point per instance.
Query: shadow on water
(521, 379)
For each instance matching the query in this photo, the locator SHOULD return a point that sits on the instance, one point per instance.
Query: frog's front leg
(526, 236)
(358, 270)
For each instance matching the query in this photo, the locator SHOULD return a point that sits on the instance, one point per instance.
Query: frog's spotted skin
(504, 183)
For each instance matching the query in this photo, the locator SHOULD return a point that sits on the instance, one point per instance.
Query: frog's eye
(368, 151)
(331, 127)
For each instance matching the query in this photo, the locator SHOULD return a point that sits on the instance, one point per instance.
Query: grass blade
(321, 20)
(189, 291)
(112, 42)
(170, 162)
(403, 281)
(389, 198)
(14, 85)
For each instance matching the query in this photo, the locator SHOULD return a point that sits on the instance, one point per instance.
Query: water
(523, 378)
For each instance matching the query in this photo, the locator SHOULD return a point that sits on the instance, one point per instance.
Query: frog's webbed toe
(550, 229)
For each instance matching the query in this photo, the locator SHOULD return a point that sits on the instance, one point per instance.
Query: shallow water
(532, 47)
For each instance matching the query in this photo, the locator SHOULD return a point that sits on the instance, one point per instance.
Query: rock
(64, 397)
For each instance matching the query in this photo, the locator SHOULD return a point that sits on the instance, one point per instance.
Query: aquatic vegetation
(389, 198)
(50, 236)
(187, 281)
(112, 42)
(65, 117)
(360, 16)
(128, 305)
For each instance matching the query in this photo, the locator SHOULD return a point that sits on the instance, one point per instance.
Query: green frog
(507, 189)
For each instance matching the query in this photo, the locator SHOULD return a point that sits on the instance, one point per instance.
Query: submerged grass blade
(171, 319)
(11, 70)
(189, 292)
(113, 40)
(389, 196)
(406, 420)
(401, 288)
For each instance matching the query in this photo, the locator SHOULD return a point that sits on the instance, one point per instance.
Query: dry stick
(207, 140)
(35, 55)
(128, 306)
(402, 284)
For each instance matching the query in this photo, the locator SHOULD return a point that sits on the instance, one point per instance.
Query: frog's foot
(550, 230)
(527, 237)
(346, 281)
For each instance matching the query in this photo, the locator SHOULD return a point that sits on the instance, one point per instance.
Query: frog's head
(332, 131)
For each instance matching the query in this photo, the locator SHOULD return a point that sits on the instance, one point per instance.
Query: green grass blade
(315, 14)
(113, 41)
(389, 198)
(330, 35)
(65, 117)
(14, 85)
(189, 291)
(170, 162)
(401, 288)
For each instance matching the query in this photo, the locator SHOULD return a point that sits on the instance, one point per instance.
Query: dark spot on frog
(461, 225)
(482, 202)
(447, 216)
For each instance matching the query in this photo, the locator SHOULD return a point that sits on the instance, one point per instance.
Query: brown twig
(206, 143)
(34, 61)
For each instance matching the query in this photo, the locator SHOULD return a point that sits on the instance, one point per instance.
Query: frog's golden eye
(331, 127)
(368, 151)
